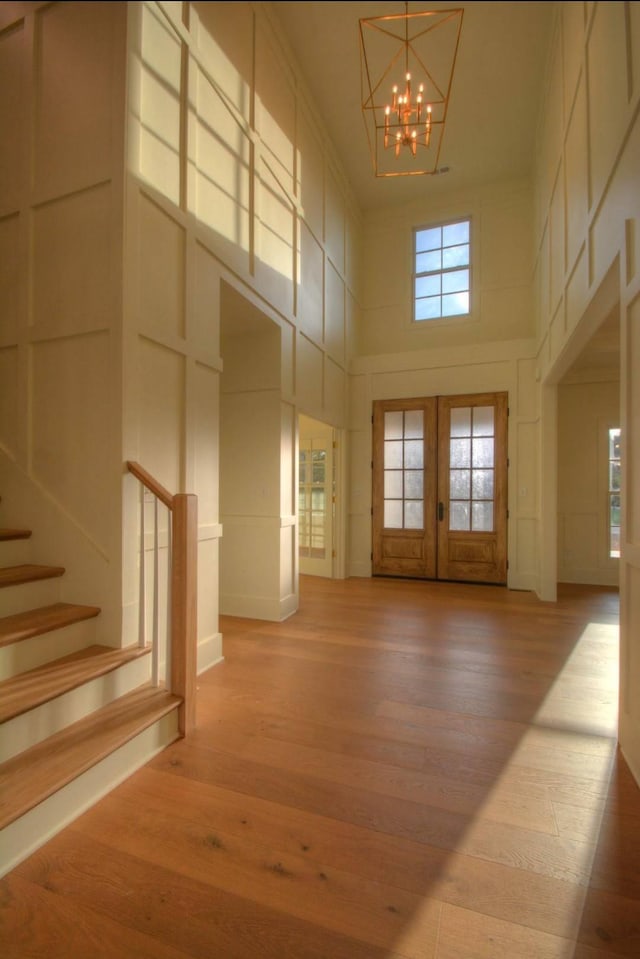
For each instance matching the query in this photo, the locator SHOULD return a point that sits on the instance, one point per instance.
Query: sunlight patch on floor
(543, 814)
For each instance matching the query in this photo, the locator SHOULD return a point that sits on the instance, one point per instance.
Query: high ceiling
(495, 100)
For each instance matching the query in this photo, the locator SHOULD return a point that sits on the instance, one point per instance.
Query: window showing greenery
(614, 492)
(312, 500)
(442, 277)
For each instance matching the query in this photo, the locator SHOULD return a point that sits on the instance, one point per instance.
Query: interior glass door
(315, 498)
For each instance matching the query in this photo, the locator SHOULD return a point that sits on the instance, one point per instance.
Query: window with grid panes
(442, 265)
(614, 492)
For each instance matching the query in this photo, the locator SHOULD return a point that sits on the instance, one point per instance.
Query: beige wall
(162, 159)
(492, 350)
(62, 116)
(236, 210)
(501, 242)
(257, 439)
(588, 262)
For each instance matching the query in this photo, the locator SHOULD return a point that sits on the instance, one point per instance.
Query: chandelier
(407, 63)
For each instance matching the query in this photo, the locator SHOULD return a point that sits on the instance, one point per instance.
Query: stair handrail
(182, 615)
(151, 484)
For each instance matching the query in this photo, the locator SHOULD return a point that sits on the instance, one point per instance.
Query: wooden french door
(440, 488)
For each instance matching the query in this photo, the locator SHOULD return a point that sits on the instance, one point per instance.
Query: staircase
(76, 717)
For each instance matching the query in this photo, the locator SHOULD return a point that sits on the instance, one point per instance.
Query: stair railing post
(142, 624)
(184, 606)
(155, 647)
(169, 605)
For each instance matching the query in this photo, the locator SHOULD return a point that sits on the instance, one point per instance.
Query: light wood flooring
(401, 770)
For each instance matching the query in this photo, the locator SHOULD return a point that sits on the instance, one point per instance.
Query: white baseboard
(209, 652)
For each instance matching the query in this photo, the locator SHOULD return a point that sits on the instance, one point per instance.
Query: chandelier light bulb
(405, 116)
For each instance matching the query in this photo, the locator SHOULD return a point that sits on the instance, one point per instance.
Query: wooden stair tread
(8, 534)
(28, 690)
(35, 622)
(34, 775)
(27, 573)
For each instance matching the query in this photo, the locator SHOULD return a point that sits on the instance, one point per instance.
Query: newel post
(184, 613)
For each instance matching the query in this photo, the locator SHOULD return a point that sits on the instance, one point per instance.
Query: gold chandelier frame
(407, 63)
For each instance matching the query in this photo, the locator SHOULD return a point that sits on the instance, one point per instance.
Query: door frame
(432, 550)
(333, 561)
(475, 556)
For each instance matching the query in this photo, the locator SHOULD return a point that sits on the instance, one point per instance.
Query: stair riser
(32, 830)
(18, 599)
(15, 552)
(38, 724)
(39, 650)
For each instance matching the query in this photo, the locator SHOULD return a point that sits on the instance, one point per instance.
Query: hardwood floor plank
(400, 770)
(475, 936)
(515, 894)
(36, 922)
(180, 911)
(372, 913)
(372, 853)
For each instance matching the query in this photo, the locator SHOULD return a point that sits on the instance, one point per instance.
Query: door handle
(440, 511)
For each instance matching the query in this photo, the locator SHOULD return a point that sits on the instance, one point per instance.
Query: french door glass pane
(312, 501)
(413, 424)
(460, 454)
(317, 535)
(471, 474)
(482, 484)
(413, 454)
(460, 421)
(483, 452)
(404, 469)
(393, 454)
(614, 475)
(482, 517)
(459, 485)
(393, 484)
(393, 425)
(413, 514)
(614, 492)
(413, 484)
(319, 466)
(393, 513)
(459, 516)
(483, 424)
